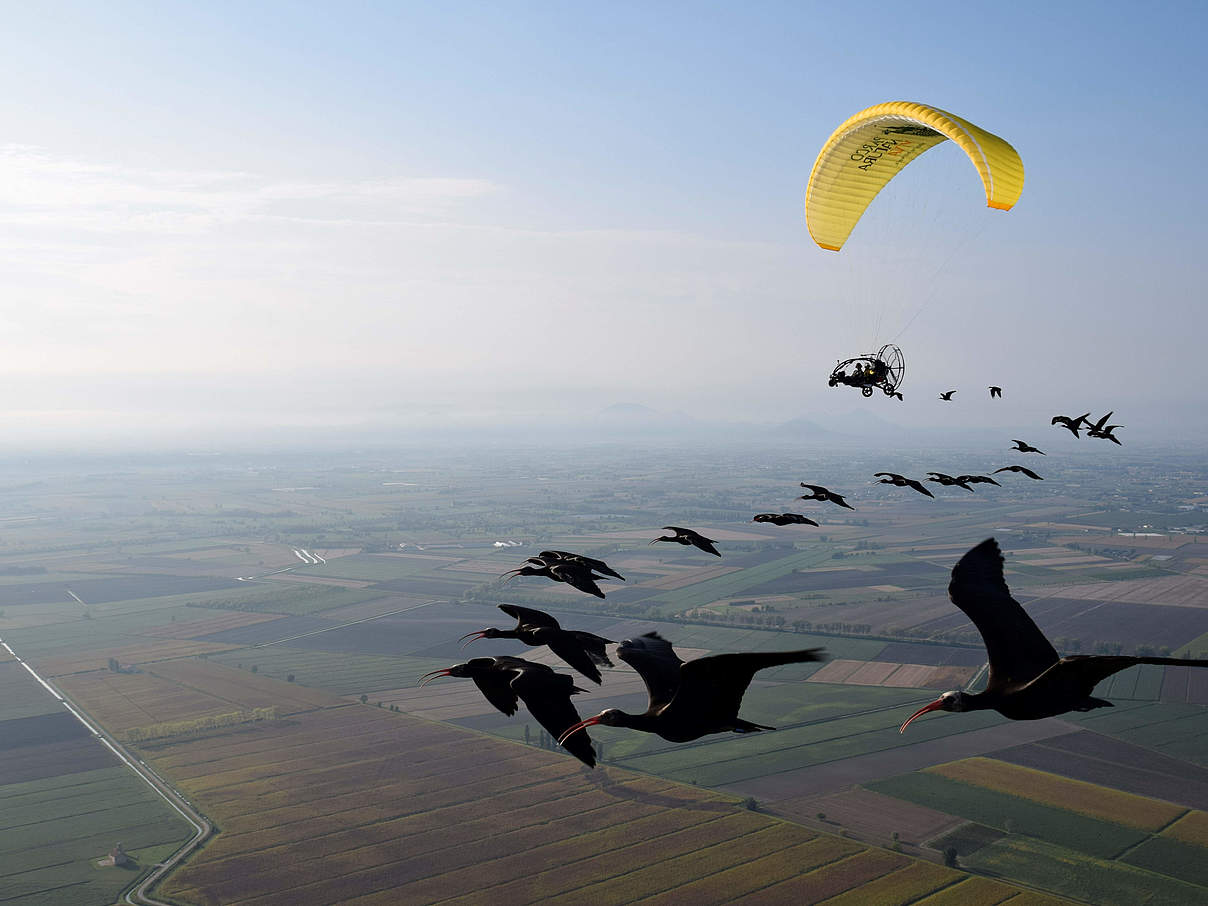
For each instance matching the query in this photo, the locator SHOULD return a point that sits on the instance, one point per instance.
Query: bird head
(481, 634)
(949, 701)
(461, 670)
(610, 718)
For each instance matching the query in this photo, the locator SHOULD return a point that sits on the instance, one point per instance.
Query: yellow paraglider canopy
(872, 147)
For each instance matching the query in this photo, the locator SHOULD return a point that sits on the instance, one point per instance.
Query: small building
(118, 858)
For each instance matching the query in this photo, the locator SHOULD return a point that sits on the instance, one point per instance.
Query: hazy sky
(215, 215)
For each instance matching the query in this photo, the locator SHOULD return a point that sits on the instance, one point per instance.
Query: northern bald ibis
(584, 651)
(995, 392)
(1023, 447)
(1071, 424)
(693, 699)
(901, 481)
(948, 481)
(1021, 469)
(575, 574)
(545, 693)
(566, 556)
(946, 396)
(1028, 680)
(783, 519)
(817, 492)
(687, 536)
(977, 479)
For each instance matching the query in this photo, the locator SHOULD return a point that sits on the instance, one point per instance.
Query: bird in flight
(1021, 469)
(687, 536)
(783, 519)
(1024, 447)
(504, 680)
(575, 574)
(995, 392)
(688, 700)
(1027, 680)
(948, 480)
(817, 492)
(976, 479)
(946, 396)
(566, 556)
(1072, 424)
(901, 481)
(1103, 430)
(584, 651)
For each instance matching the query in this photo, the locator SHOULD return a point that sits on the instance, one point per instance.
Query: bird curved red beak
(934, 706)
(581, 725)
(472, 637)
(510, 574)
(428, 677)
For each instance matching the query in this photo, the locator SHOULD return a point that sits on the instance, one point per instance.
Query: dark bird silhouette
(901, 481)
(976, 479)
(1027, 680)
(582, 650)
(1071, 424)
(566, 556)
(1103, 430)
(576, 575)
(995, 392)
(691, 699)
(1023, 447)
(948, 481)
(946, 396)
(687, 536)
(545, 693)
(821, 493)
(1022, 469)
(783, 519)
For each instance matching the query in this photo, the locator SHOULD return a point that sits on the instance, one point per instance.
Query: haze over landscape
(220, 220)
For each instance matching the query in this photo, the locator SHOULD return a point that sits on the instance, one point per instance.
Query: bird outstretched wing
(527, 616)
(1018, 651)
(657, 664)
(547, 696)
(719, 681)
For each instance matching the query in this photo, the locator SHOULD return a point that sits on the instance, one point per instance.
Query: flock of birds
(1027, 679)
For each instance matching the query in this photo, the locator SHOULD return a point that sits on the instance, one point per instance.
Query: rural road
(202, 828)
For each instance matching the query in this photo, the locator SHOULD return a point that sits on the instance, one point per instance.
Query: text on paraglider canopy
(872, 151)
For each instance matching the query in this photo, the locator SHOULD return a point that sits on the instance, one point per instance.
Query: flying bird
(687, 536)
(545, 693)
(566, 556)
(1023, 447)
(1103, 430)
(995, 392)
(582, 650)
(1072, 424)
(820, 493)
(783, 519)
(948, 481)
(576, 575)
(691, 699)
(1022, 469)
(976, 479)
(901, 481)
(946, 396)
(1027, 680)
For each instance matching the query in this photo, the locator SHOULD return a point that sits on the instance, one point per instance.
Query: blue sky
(218, 214)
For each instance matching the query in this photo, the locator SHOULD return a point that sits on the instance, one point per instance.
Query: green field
(52, 832)
(1177, 730)
(344, 674)
(1076, 832)
(1081, 876)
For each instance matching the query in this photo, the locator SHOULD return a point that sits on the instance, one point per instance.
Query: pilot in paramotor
(884, 369)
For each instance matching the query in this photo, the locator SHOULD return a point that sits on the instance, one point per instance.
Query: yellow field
(1074, 795)
(1191, 828)
(971, 892)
